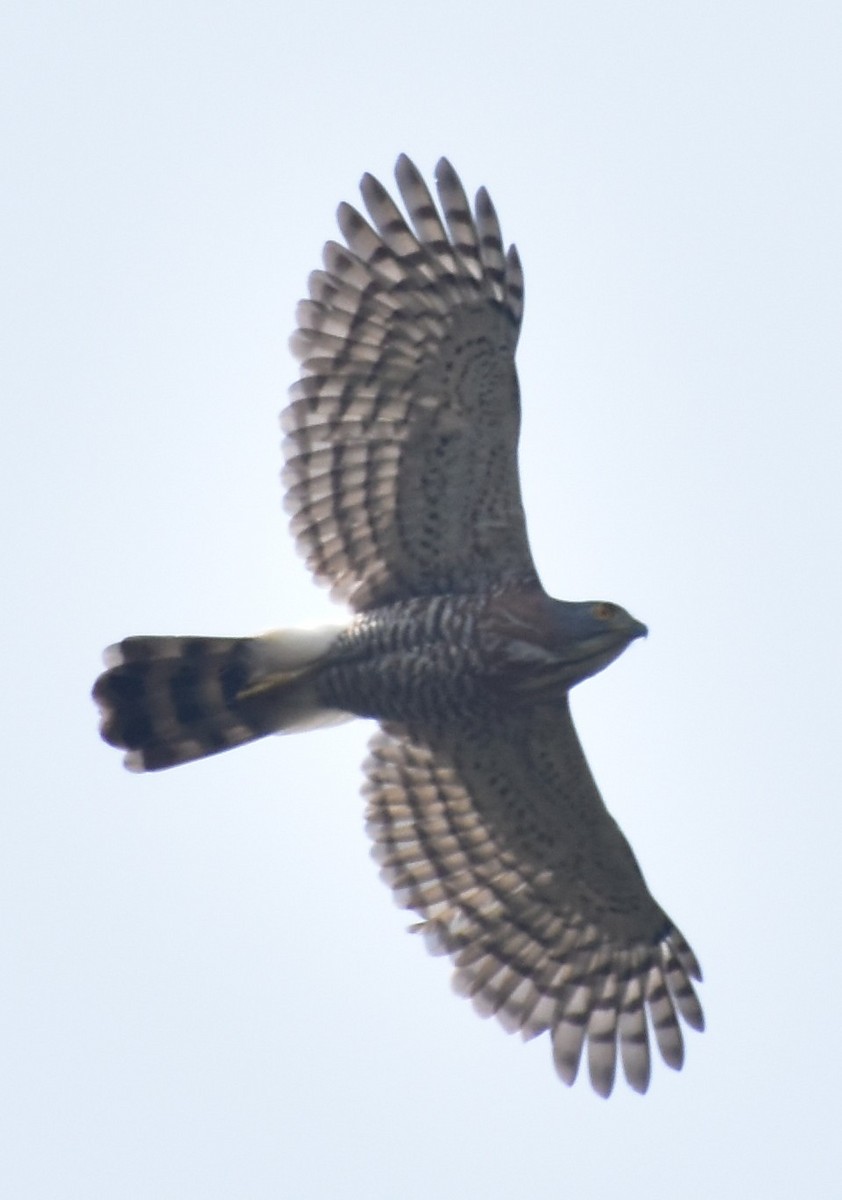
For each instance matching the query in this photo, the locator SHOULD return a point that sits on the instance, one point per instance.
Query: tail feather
(170, 700)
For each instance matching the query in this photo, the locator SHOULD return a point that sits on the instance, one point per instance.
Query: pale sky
(205, 989)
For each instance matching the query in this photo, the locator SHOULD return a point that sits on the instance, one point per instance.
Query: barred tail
(170, 700)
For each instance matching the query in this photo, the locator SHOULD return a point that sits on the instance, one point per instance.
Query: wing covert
(401, 447)
(500, 841)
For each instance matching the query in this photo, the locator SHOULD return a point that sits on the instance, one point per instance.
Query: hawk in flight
(402, 484)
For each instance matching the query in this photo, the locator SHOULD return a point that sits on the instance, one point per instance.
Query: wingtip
(444, 172)
(404, 166)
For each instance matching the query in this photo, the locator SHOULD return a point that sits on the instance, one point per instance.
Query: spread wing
(500, 841)
(401, 446)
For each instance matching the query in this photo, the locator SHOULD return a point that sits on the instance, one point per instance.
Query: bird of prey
(402, 484)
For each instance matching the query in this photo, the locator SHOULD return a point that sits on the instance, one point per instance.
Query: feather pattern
(401, 447)
(500, 841)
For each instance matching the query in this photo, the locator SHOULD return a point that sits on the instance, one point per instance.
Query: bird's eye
(604, 611)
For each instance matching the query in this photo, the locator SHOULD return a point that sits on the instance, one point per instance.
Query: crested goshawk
(401, 480)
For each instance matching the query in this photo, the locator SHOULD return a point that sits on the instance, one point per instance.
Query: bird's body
(401, 478)
(439, 659)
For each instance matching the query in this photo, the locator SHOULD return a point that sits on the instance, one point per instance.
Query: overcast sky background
(205, 990)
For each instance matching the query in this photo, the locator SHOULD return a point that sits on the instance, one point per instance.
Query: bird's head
(551, 645)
